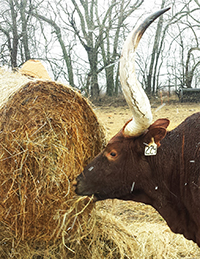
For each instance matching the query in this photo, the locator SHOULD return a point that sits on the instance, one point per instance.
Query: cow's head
(116, 172)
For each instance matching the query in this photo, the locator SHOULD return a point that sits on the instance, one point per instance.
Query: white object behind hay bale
(34, 68)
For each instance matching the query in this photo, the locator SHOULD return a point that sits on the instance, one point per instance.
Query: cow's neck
(170, 195)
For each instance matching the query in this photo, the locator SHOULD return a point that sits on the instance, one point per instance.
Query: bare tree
(81, 40)
(188, 41)
(87, 36)
(189, 72)
(58, 31)
(98, 29)
(175, 48)
(14, 23)
(151, 77)
(110, 47)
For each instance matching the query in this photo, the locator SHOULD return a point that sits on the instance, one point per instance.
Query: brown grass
(149, 235)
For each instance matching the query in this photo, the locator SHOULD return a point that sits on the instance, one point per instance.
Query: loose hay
(117, 237)
(48, 133)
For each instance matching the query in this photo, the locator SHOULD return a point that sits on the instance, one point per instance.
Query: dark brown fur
(169, 181)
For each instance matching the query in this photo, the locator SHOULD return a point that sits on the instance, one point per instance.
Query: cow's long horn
(132, 89)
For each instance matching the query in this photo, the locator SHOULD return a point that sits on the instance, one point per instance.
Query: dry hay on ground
(130, 230)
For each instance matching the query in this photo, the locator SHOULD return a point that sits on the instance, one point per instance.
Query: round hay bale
(34, 68)
(48, 133)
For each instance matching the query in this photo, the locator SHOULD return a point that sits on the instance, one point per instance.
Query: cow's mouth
(98, 197)
(79, 190)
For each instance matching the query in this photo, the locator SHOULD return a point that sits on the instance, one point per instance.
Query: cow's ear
(160, 123)
(157, 131)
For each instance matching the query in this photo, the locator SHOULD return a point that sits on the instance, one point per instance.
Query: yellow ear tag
(151, 148)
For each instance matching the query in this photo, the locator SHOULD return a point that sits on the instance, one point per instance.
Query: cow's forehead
(119, 142)
(119, 138)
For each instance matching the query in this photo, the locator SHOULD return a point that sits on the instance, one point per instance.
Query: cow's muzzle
(80, 186)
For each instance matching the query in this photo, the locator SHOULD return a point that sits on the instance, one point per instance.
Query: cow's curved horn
(133, 91)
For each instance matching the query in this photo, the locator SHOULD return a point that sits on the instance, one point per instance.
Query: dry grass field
(152, 235)
(113, 113)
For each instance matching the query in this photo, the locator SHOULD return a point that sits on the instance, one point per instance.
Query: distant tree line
(80, 41)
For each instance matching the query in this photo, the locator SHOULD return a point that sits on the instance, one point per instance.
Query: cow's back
(189, 132)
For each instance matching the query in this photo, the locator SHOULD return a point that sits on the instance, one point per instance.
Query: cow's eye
(113, 154)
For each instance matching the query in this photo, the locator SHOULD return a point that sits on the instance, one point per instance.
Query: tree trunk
(189, 73)
(66, 56)
(110, 80)
(117, 83)
(24, 30)
(155, 55)
(92, 57)
(15, 36)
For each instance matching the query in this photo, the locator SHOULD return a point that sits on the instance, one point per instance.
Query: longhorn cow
(146, 163)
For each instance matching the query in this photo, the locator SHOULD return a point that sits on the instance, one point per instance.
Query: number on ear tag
(151, 149)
